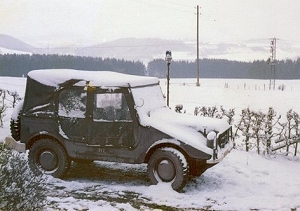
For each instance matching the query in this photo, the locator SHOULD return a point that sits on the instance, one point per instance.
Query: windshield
(147, 99)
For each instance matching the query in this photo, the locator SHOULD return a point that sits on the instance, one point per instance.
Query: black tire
(49, 157)
(170, 166)
(15, 127)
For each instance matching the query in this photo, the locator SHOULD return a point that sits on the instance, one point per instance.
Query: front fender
(186, 149)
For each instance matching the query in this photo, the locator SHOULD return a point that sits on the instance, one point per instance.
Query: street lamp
(168, 60)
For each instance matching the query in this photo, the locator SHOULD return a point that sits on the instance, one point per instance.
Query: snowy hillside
(242, 181)
(9, 51)
(147, 49)
(9, 44)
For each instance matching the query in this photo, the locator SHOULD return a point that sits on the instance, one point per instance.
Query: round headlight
(211, 135)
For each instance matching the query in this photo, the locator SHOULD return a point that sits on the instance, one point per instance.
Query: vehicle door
(72, 114)
(112, 124)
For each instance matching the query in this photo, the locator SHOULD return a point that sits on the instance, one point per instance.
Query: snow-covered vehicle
(83, 116)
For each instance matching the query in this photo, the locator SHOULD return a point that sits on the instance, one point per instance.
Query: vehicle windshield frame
(148, 98)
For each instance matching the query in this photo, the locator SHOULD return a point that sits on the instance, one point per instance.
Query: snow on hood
(55, 77)
(152, 111)
(185, 127)
(197, 123)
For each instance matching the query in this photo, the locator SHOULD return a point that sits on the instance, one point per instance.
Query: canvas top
(57, 77)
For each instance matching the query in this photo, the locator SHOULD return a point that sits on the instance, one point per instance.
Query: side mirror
(139, 103)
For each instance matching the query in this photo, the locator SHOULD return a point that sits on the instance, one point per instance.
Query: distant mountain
(10, 43)
(142, 49)
(147, 49)
(136, 49)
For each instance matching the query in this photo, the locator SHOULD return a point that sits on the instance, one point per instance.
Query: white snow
(144, 101)
(55, 77)
(242, 181)
(17, 110)
(155, 113)
(10, 51)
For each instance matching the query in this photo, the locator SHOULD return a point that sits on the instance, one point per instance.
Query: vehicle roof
(57, 77)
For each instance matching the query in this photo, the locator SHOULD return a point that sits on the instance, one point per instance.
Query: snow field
(242, 181)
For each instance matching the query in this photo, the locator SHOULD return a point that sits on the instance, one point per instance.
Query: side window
(72, 103)
(111, 107)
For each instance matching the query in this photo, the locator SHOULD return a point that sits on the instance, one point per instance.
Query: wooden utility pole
(198, 65)
(273, 63)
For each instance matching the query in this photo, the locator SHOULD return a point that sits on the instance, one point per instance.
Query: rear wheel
(168, 165)
(49, 157)
(15, 122)
(15, 125)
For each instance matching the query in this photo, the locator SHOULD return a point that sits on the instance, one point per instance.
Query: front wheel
(168, 165)
(49, 157)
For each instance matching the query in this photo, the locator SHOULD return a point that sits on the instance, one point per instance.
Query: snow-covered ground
(10, 51)
(242, 181)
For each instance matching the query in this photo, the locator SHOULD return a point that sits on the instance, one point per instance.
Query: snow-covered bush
(269, 133)
(256, 130)
(14, 97)
(2, 106)
(293, 130)
(7, 96)
(178, 108)
(244, 127)
(257, 122)
(215, 112)
(266, 133)
(290, 133)
(208, 112)
(229, 114)
(20, 188)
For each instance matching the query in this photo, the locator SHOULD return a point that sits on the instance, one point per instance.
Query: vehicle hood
(183, 127)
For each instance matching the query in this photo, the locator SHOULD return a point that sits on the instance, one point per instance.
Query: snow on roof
(55, 77)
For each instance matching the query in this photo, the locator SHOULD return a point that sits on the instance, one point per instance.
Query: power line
(198, 63)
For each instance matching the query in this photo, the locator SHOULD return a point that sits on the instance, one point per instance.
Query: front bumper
(11, 143)
(220, 155)
(223, 145)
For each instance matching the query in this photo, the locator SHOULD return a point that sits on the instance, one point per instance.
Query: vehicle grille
(224, 137)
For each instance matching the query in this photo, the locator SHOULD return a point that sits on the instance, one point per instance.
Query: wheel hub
(166, 170)
(48, 160)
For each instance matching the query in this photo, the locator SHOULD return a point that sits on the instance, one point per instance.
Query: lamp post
(168, 60)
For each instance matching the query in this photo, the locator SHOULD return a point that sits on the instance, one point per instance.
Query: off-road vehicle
(72, 115)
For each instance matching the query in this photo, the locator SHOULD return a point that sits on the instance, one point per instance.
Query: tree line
(221, 68)
(19, 65)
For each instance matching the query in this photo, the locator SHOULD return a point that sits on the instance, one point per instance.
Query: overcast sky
(84, 22)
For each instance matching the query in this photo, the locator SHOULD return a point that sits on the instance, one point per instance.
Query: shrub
(20, 188)
(2, 106)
